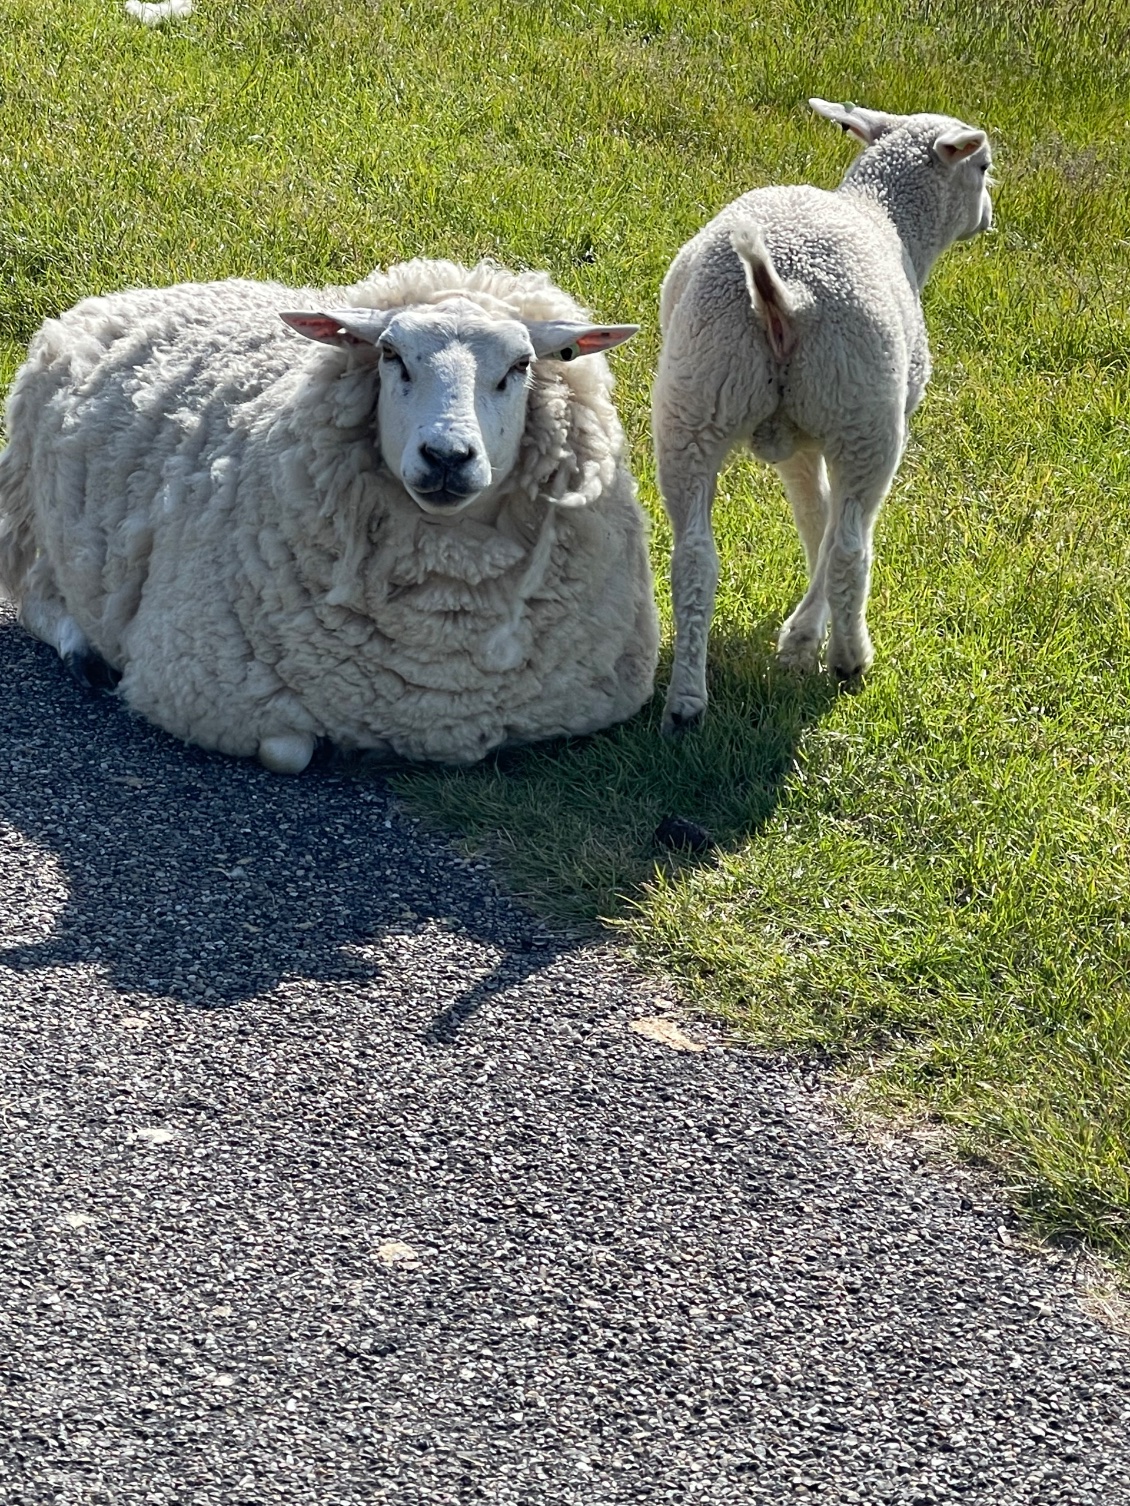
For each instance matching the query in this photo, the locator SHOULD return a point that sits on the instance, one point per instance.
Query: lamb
(793, 323)
(416, 535)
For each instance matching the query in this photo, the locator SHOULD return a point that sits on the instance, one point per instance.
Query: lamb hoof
(850, 677)
(286, 753)
(799, 652)
(90, 670)
(849, 668)
(682, 717)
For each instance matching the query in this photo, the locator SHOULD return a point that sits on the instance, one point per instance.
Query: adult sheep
(416, 535)
(793, 323)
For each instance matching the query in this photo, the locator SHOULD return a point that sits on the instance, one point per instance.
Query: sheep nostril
(450, 456)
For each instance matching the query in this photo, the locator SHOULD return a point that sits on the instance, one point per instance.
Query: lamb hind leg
(688, 474)
(805, 479)
(846, 557)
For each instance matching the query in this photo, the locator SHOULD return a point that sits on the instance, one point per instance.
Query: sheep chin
(441, 509)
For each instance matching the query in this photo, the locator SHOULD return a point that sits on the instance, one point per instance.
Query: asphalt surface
(328, 1175)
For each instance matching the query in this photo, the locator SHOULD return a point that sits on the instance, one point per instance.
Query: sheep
(793, 323)
(153, 12)
(415, 535)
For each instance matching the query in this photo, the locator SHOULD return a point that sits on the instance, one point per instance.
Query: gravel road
(329, 1176)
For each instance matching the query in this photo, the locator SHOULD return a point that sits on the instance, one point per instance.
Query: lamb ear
(340, 326)
(558, 340)
(958, 143)
(867, 125)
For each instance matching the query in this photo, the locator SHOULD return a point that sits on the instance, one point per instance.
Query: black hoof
(850, 680)
(677, 725)
(91, 670)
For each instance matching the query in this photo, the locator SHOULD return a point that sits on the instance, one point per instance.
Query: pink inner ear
(320, 327)
(595, 340)
(957, 151)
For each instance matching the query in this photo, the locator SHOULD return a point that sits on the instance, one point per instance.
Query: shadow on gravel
(202, 878)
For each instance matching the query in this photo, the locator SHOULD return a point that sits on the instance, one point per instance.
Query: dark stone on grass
(677, 832)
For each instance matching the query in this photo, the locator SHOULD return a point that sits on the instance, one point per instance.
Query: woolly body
(793, 324)
(198, 494)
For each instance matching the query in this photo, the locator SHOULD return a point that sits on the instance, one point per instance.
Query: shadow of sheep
(186, 875)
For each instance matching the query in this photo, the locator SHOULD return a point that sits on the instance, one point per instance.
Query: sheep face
(452, 403)
(454, 379)
(964, 153)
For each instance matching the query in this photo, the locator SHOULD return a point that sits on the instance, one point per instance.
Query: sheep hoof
(683, 716)
(286, 753)
(90, 670)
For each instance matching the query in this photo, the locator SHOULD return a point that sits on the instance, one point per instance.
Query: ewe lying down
(415, 535)
(793, 324)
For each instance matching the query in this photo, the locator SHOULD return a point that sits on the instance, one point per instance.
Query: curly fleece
(202, 492)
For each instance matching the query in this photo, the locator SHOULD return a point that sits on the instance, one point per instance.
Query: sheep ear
(340, 326)
(867, 125)
(557, 340)
(958, 143)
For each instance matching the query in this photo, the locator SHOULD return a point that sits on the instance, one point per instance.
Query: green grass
(930, 878)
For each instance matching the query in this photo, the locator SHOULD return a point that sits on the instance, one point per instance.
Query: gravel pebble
(327, 1174)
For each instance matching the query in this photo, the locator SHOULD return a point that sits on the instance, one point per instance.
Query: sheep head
(931, 172)
(454, 380)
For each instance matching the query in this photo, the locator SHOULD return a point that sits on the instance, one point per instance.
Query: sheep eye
(390, 355)
(519, 368)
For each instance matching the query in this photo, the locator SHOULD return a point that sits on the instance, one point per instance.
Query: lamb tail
(152, 14)
(770, 297)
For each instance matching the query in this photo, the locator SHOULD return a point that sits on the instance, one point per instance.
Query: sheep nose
(454, 453)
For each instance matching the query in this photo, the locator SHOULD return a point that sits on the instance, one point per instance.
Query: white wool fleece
(200, 492)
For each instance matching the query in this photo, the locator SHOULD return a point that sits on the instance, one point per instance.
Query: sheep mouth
(443, 499)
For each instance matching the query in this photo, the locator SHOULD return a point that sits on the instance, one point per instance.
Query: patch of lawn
(930, 877)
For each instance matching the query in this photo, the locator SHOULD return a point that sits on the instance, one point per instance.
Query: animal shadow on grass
(587, 821)
(185, 875)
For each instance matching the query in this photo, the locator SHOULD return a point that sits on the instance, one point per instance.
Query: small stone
(395, 1253)
(666, 1032)
(678, 832)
